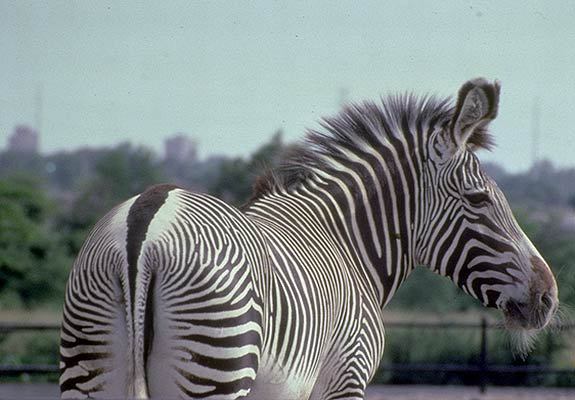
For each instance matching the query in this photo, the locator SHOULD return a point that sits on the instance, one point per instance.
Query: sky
(230, 73)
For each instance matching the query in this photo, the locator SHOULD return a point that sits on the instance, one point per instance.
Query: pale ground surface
(377, 392)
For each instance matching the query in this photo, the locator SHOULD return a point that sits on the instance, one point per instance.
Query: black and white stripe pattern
(194, 328)
(178, 295)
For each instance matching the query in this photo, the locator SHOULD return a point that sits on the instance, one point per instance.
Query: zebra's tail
(140, 291)
(142, 332)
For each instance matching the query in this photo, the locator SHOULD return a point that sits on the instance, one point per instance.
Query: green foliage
(29, 348)
(237, 175)
(235, 181)
(557, 246)
(428, 292)
(25, 348)
(24, 191)
(409, 345)
(31, 258)
(118, 175)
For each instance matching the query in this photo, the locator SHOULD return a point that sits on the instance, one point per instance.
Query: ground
(42, 391)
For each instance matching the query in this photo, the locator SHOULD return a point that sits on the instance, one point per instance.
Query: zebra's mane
(353, 127)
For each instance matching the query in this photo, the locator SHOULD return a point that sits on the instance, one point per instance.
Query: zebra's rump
(185, 322)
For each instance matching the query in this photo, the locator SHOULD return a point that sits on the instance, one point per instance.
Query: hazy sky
(232, 72)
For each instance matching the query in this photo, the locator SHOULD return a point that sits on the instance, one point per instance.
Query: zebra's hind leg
(343, 381)
(335, 392)
(94, 355)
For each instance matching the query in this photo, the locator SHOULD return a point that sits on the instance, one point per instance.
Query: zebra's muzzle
(539, 305)
(534, 314)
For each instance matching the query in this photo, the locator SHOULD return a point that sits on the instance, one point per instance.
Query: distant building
(180, 148)
(24, 139)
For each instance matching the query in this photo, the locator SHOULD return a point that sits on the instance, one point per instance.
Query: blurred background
(98, 100)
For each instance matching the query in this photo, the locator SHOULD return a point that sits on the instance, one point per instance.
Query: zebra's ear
(476, 106)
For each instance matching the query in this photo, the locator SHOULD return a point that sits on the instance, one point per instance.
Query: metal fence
(483, 367)
(15, 370)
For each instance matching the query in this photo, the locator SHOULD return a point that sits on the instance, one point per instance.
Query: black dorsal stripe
(139, 218)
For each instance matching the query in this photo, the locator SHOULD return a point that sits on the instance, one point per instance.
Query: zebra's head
(468, 232)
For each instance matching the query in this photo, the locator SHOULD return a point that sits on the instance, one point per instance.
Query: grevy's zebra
(177, 294)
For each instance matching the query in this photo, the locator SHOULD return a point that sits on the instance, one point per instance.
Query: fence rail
(482, 367)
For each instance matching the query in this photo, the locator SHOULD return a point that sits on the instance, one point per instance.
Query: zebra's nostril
(546, 300)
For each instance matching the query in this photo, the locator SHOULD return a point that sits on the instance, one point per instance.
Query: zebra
(177, 294)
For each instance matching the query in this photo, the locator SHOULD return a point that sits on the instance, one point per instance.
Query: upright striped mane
(356, 125)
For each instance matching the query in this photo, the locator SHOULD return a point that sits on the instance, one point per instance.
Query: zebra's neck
(367, 202)
(375, 193)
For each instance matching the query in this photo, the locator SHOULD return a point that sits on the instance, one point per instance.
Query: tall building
(24, 139)
(180, 148)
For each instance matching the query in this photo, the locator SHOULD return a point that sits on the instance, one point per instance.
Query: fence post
(483, 357)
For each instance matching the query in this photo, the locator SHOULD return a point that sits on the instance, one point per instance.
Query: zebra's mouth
(516, 315)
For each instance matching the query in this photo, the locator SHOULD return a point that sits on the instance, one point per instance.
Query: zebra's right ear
(477, 105)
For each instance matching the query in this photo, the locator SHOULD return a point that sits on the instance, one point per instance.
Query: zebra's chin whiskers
(522, 341)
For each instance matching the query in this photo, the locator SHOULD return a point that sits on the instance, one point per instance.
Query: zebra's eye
(478, 198)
